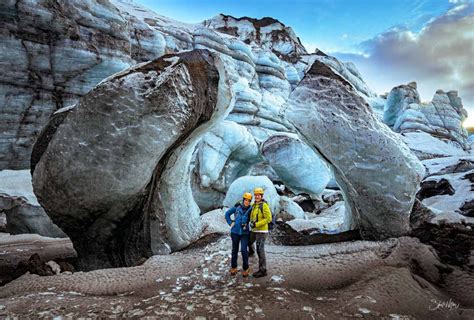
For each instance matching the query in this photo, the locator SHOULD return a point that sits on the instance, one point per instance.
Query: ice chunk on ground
(335, 219)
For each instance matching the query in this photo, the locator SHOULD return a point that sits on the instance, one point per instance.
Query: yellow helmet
(247, 196)
(258, 191)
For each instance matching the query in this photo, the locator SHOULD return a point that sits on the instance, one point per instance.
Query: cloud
(459, 1)
(439, 56)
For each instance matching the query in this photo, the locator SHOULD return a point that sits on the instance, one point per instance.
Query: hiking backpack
(271, 225)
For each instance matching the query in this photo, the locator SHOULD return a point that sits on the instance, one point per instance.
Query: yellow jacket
(264, 217)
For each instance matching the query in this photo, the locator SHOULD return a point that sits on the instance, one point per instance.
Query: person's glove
(252, 224)
(244, 226)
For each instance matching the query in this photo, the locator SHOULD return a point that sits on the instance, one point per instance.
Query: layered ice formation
(442, 117)
(121, 155)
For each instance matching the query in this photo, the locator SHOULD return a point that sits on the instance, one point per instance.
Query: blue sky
(391, 42)
(330, 25)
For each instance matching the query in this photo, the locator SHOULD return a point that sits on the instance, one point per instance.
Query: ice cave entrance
(307, 203)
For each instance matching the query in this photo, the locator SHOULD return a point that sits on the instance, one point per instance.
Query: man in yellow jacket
(260, 217)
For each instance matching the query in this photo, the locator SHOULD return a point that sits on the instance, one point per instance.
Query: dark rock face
(20, 209)
(97, 175)
(463, 165)
(378, 174)
(267, 32)
(434, 188)
(420, 214)
(307, 205)
(470, 177)
(448, 188)
(24, 218)
(442, 214)
(283, 234)
(453, 242)
(467, 208)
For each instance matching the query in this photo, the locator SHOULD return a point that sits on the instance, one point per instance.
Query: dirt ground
(394, 279)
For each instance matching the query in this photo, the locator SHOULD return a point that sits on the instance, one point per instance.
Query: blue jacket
(241, 219)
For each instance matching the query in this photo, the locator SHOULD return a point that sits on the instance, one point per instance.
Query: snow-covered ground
(426, 146)
(448, 189)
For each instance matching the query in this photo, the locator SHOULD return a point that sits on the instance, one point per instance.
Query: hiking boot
(245, 273)
(259, 274)
(233, 271)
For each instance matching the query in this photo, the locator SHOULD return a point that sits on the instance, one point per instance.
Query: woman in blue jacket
(239, 233)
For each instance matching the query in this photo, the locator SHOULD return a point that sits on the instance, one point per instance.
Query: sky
(391, 42)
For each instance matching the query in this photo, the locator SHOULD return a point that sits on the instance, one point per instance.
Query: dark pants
(243, 240)
(259, 239)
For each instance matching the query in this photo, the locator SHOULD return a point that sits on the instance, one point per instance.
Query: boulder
(214, 222)
(115, 174)
(332, 220)
(378, 174)
(332, 224)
